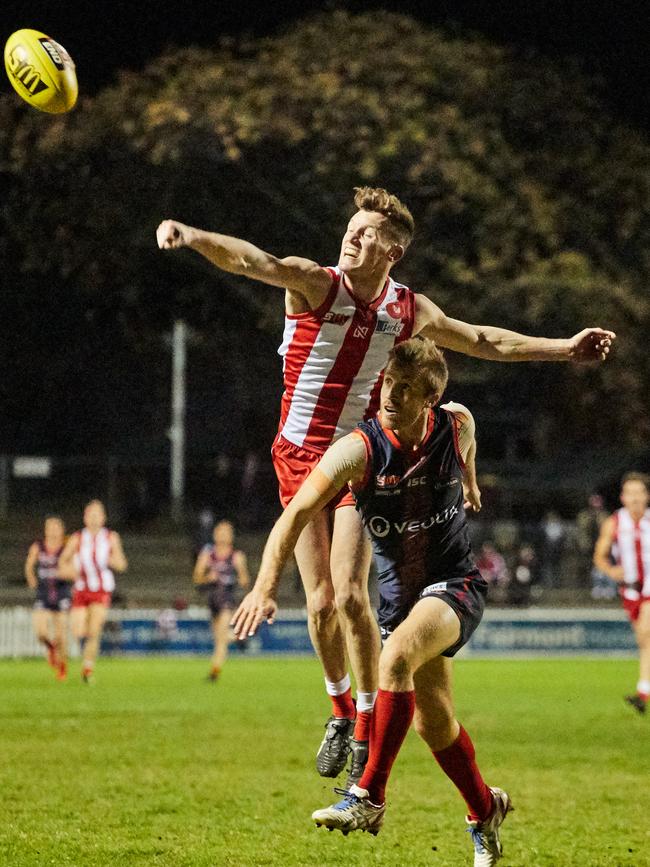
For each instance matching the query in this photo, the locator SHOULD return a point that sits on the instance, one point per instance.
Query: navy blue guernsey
(51, 589)
(412, 504)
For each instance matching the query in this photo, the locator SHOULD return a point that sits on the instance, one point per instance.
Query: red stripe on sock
(343, 706)
(458, 761)
(391, 719)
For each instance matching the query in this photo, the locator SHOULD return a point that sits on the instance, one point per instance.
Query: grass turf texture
(153, 766)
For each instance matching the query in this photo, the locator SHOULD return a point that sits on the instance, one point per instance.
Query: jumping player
(90, 557)
(53, 594)
(340, 323)
(412, 469)
(625, 538)
(219, 567)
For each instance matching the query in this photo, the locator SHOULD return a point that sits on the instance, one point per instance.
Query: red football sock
(343, 706)
(391, 719)
(458, 761)
(362, 725)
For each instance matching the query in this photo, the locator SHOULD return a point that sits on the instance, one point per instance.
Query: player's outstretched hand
(171, 235)
(591, 344)
(472, 497)
(254, 608)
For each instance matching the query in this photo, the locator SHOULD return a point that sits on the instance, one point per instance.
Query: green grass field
(153, 766)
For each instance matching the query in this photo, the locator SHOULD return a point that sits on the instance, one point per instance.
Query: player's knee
(394, 665)
(321, 608)
(351, 602)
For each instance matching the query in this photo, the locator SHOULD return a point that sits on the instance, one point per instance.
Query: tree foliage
(531, 204)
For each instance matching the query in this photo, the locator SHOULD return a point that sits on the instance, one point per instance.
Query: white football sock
(365, 701)
(339, 687)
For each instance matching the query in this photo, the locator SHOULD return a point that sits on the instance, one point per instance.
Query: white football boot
(485, 835)
(354, 813)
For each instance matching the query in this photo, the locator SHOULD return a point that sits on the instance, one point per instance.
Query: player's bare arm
(240, 563)
(466, 432)
(603, 550)
(293, 273)
(200, 573)
(67, 569)
(30, 566)
(500, 344)
(343, 462)
(117, 561)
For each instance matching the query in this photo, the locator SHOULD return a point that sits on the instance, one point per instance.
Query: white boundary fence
(503, 632)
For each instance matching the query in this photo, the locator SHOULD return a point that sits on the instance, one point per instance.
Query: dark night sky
(104, 36)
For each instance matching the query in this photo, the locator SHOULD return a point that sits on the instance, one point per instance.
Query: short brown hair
(635, 476)
(400, 220)
(426, 361)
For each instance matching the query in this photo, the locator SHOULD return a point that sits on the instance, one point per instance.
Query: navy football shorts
(52, 602)
(466, 594)
(220, 598)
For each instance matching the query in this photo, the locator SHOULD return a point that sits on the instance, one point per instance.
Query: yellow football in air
(41, 71)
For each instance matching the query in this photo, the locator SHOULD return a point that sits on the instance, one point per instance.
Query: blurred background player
(589, 522)
(53, 593)
(622, 552)
(219, 568)
(412, 470)
(340, 323)
(90, 557)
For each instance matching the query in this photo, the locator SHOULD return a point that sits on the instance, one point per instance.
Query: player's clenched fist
(171, 235)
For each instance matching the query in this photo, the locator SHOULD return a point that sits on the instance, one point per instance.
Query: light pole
(177, 427)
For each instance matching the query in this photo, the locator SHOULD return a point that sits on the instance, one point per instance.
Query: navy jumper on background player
(219, 569)
(53, 593)
(413, 472)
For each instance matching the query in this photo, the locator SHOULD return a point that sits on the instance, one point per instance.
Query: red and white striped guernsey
(632, 551)
(334, 359)
(92, 561)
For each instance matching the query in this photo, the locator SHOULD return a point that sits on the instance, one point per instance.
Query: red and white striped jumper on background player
(625, 539)
(92, 556)
(632, 550)
(96, 581)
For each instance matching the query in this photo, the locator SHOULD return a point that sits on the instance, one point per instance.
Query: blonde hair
(401, 224)
(427, 362)
(635, 476)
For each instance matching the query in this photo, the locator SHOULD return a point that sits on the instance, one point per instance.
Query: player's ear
(395, 253)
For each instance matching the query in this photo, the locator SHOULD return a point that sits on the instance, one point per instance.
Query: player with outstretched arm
(340, 323)
(412, 471)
